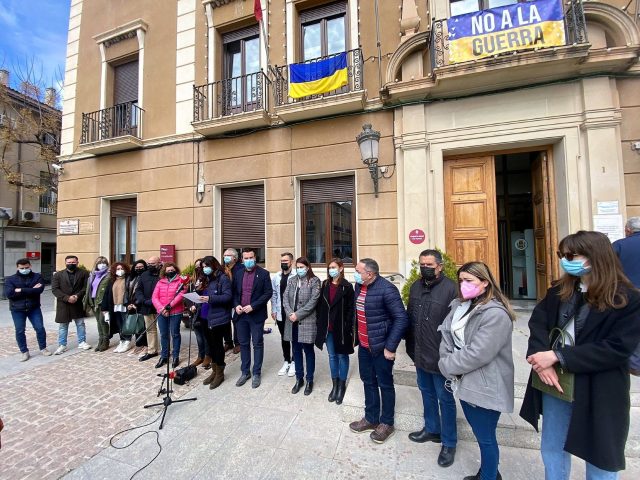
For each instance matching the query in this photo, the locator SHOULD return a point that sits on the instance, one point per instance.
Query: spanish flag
(313, 78)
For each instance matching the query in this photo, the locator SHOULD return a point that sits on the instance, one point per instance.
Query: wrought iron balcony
(231, 104)
(112, 129)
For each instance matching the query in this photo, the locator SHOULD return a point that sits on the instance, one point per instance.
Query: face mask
(154, 268)
(227, 259)
(358, 278)
(469, 290)
(249, 264)
(102, 267)
(574, 267)
(334, 272)
(139, 271)
(207, 270)
(72, 267)
(301, 272)
(170, 274)
(119, 273)
(24, 271)
(428, 273)
(284, 266)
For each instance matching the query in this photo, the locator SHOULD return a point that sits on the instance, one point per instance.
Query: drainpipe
(379, 47)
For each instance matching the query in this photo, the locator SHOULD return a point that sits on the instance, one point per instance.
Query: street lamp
(369, 142)
(4, 221)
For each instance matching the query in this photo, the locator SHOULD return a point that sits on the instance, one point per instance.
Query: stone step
(512, 430)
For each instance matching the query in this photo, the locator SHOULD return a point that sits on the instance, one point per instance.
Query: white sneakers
(292, 369)
(45, 352)
(123, 346)
(84, 346)
(285, 368)
(25, 356)
(60, 350)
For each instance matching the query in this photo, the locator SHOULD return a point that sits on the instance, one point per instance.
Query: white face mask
(102, 267)
(120, 273)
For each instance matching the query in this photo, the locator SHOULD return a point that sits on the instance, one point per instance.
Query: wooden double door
(471, 217)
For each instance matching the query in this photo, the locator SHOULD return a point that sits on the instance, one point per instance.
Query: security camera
(57, 167)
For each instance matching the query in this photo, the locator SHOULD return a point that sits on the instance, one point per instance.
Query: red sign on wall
(167, 253)
(417, 236)
(33, 255)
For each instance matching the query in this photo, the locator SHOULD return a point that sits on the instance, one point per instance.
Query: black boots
(477, 476)
(340, 391)
(299, 384)
(334, 390)
(309, 388)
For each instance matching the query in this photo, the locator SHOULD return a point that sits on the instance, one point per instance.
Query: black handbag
(184, 374)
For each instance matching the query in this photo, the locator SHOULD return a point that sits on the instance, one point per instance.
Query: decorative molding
(615, 20)
(216, 3)
(122, 32)
(410, 20)
(415, 43)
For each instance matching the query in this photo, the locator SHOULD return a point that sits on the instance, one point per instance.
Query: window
(243, 220)
(323, 30)
(328, 220)
(125, 98)
(47, 201)
(241, 70)
(124, 230)
(460, 7)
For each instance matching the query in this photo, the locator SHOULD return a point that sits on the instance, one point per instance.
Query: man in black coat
(69, 286)
(144, 305)
(251, 293)
(429, 299)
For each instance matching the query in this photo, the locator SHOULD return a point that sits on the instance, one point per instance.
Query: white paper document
(193, 296)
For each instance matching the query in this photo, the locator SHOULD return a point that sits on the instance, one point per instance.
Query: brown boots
(216, 378)
(197, 362)
(206, 363)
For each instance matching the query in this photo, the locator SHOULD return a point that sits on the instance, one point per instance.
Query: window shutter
(337, 189)
(252, 31)
(127, 207)
(125, 83)
(324, 11)
(243, 217)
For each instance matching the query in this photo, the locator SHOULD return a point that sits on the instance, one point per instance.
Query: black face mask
(72, 267)
(428, 273)
(284, 266)
(138, 271)
(154, 268)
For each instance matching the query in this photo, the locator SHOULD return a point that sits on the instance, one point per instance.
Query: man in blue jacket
(381, 323)
(23, 291)
(628, 250)
(251, 293)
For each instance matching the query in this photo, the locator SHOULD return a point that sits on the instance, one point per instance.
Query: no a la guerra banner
(522, 26)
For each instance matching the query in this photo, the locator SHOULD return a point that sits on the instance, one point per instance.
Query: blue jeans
(63, 332)
(249, 332)
(484, 423)
(200, 337)
(555, 425)
(309, 355)
(338, 362)
(376, 373)
(169, 325)
(439, 407)
(20, 322)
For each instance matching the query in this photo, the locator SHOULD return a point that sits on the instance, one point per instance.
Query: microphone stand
(168, 377)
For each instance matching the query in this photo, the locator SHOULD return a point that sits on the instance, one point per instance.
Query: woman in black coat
(595, 305)
(335, 320)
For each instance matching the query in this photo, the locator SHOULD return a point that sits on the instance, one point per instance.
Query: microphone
(184, 280)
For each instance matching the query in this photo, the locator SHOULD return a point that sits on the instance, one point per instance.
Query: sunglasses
(568, 256)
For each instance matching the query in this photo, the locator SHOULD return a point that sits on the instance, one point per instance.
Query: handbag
(565, 379)
(634, 362)
(184, 374)
(133, 324)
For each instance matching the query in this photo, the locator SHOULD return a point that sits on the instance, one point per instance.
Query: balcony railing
(574, 24)
(47, 203)
(354, 74)
(113, 122)
(231, 96)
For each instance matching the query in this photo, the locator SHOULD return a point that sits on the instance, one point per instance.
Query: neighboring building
(27, 184)
(179, 130)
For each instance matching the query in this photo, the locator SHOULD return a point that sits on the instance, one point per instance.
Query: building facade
(179, 131)
(29, 124)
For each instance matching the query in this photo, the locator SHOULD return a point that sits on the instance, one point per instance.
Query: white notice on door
(607, 208)
(610, 225)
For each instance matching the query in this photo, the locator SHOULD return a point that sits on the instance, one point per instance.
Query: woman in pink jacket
(167, 299)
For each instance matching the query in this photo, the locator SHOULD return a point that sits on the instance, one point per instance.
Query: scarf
(98, 276)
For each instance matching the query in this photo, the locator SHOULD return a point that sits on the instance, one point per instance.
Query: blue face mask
(334, 272)
(24, 271)
(574, 267)
(207, 270)
(358, 278)
(227, 259)
(301, 272)
(249, 264)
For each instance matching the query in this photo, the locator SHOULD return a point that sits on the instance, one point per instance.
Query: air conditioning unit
(29, 216)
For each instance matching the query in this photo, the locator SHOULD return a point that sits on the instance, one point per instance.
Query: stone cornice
(115, 35)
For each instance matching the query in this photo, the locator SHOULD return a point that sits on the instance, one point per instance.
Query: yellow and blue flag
(313, 78)
(522, 26)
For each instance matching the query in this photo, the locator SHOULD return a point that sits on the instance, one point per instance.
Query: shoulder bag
(565, 378)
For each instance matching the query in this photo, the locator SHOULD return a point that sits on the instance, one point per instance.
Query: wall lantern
(369, 142)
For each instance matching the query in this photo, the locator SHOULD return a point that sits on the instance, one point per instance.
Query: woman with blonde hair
(582, 335)
(476, 358)
(96, 290)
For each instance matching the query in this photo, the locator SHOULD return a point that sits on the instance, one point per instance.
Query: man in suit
(251, 293)
(69, 286)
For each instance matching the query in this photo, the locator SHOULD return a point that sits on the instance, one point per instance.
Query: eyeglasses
(568, 256)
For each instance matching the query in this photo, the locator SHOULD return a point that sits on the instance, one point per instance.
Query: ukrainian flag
(313, 78)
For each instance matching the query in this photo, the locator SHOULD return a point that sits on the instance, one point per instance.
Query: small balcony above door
(112, 129)
(237, 103)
